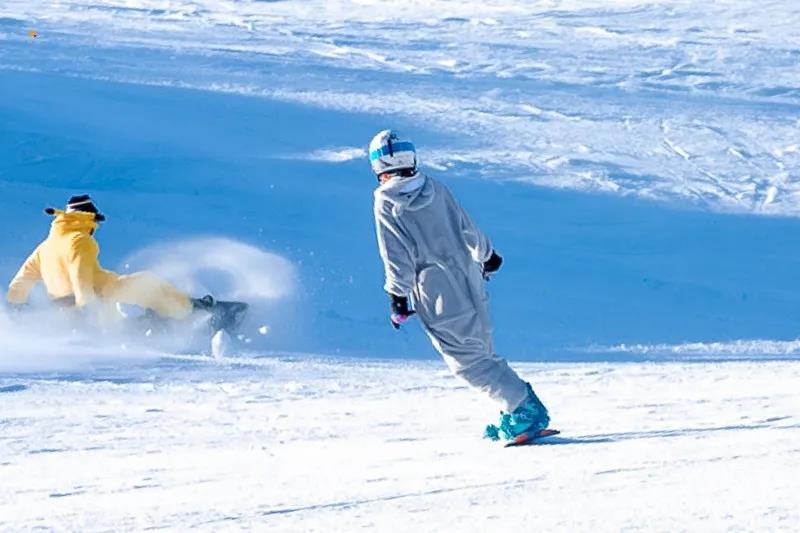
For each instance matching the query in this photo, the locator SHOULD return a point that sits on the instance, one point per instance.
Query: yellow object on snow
(67, 263)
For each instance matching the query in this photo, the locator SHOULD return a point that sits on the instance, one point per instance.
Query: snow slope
(673, 100)
(622, 155)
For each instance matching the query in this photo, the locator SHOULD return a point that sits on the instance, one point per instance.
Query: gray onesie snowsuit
(433, 251)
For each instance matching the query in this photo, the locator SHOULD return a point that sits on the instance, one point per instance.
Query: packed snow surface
(304, 444)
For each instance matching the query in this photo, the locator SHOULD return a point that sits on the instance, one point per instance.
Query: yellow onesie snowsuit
(67, 264)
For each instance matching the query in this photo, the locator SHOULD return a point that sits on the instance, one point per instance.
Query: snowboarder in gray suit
(435, 254)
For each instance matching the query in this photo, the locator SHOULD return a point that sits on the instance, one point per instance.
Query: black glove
(492, 264)
(400, 311)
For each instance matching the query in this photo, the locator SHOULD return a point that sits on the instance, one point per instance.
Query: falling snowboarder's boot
(203, 304)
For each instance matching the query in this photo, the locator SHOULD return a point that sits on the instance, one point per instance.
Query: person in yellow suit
(67, 263)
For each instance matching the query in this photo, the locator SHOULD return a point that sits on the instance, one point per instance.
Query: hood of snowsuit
(407, 193)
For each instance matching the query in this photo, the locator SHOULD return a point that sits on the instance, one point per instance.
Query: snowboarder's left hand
(400, 311)
(492, 265)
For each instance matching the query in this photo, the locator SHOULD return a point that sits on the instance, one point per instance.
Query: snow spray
(227, 269)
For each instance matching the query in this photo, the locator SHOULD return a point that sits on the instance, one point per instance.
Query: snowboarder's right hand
(492, 265)
(399, 320)
(400, 311)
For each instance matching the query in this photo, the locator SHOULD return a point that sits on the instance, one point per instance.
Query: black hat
(82, 202)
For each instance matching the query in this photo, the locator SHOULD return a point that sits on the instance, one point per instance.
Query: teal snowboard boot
(530, 416)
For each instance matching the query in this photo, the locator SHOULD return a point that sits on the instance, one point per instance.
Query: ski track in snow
(296, 443)
(671, 100)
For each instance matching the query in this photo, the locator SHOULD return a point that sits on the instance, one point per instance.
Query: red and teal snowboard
(534, 437)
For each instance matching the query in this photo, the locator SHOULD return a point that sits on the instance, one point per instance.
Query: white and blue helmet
(388, 152)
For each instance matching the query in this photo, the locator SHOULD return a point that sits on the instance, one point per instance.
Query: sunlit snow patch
(735, 349)
(337, 155)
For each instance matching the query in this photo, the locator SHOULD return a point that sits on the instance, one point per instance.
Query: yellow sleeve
(81, 266)
(104, 279)
(20, 287)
